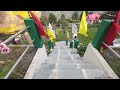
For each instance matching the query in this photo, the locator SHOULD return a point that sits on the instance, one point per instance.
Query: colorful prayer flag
(83, 25)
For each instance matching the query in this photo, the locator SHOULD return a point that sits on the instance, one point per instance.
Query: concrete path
(65, 63)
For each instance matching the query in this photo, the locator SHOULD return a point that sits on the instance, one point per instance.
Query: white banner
(74, 28)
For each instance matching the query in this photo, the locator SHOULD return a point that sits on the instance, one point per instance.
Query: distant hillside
(68, 14)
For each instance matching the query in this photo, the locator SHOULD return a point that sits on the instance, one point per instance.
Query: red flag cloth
(112, 32)
(39, 25)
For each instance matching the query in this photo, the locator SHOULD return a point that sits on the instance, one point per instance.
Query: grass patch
(84, 41)
(4, 36)
(9, 60)
(115, 65)
(61, 36)
(5, 68)
(112, 60)
(91, 33)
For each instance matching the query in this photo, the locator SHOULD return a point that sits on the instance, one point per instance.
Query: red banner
(113, 31)
(39, 25)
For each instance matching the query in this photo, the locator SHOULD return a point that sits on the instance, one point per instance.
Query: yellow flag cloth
(68, 36)
(83, 25)
(51, 38)
(23, 14)
(50, 34)
(52, 31)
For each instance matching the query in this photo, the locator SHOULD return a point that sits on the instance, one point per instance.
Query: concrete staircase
(65, 63)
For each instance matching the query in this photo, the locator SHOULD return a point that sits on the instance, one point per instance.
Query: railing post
(38, 43)
(99, 37)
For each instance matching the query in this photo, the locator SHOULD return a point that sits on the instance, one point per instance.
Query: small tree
(52, 18)
(108, 15)
(58, 22)
(44, 20)
(75, 16)
(62, 16)
(64, 22)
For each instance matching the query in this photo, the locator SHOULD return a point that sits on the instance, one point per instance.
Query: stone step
(67, 66)
(42, 73)
(69, 74)
(67, 58)
(78, 61)
(64, 53)
(65, 62)
(55, 52)
(73, 52)
(59, 66)
(76, 56)
(47, 66)
(96, 74)
(51, 61)
(86, 66)
(52, 57)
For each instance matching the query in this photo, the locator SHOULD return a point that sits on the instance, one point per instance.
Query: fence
(20, 58)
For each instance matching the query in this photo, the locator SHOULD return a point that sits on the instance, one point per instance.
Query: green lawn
(9, 60)
(115, 65)
(84, 41)
(91, 33)
(5, 68)
(61, 36)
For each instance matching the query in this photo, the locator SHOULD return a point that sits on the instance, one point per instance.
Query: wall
(93, 56)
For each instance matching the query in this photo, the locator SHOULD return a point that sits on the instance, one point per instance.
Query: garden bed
(112, 60)
(9, 60)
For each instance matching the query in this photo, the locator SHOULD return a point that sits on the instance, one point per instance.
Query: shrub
(44, 20)
(108, 15)
(75, 16)
(81, 50)
(52, 18)
(62, 16)
(64, 22)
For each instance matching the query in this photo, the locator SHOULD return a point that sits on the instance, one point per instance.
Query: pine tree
(108, 15)
(62, 16)
(75, 16)
(52, 18)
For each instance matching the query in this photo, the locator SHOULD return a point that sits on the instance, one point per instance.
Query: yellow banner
(83, 25)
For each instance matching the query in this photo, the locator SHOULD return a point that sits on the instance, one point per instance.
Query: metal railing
(111, 50)
(20, 58)
(10, 38)
(14, 66)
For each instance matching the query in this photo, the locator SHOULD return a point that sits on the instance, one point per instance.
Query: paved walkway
(65, 63)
